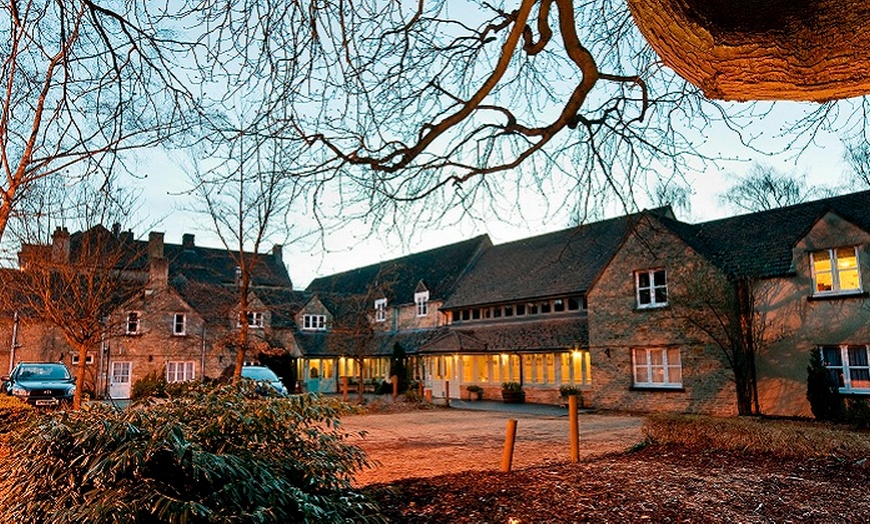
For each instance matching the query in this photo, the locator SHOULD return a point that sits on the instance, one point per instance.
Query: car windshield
(43, 372)
(264, 374)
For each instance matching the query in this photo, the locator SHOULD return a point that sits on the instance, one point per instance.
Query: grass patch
(788, 439)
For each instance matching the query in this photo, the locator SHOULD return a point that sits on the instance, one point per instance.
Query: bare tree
(764, 187)
(247, 197)
(82, 84)
(857, 157)
(75, 282)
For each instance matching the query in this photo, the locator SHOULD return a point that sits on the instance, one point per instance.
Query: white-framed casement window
(849, 366)
(180, 371)
(380, 310)
(652, 288)
(835, 270)
(421, 300)
(314, 322)
(657, 367)
(255, 319)
(179, 324)
(134, 323)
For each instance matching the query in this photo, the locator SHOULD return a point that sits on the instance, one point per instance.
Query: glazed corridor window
(849, 367)
(380, 310)
(133, 323)
(179, 371)
(657, 367)
(421, 300)
(836, 270)
(314, 322)
(652, 288)
(179, 324)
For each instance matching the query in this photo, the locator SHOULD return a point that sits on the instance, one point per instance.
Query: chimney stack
(278, 253)
(60, 246)
(155, 245)
(187, 241)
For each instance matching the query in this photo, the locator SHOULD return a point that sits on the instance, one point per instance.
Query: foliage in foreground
(210, 455)
(789, 439)
(13, 413)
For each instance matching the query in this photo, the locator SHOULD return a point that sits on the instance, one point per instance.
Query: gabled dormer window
(380, 310)
(421, 301)
(255, 319)
(314, 322)
(133, 322)
(835, 270)
(652, 288)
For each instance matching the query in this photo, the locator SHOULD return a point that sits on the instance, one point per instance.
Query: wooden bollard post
(421, 388)
(395, 380)
(344, 389)
(447, 393)
(428, 395)
(574, 422)
(507, 457)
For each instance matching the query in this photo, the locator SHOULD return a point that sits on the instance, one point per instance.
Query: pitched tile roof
(324, 344)
(760, 244)
(541, 335)
(438, 269)
(560, 263)
(218, 266)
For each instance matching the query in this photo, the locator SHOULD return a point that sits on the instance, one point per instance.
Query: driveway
(433, 442)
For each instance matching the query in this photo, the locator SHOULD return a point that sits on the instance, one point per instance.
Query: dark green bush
(857, 413)
(14, 412)
(208, 456)
(822, 391)
(151, 385)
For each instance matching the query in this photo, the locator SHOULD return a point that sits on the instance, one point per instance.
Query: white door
(119, 385)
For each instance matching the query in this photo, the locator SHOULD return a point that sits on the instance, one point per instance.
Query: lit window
(179, 324)
(179, 371)
(658, 368)
(652, 288)
(849, 367)
(836, 270)
(421, 299)
(314, 322)
(255, 319)
(133, 318)
(380, 310)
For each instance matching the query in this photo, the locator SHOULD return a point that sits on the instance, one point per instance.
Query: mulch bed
(653, 484)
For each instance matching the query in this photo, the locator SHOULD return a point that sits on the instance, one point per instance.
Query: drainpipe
(202, 361)
(14, 342)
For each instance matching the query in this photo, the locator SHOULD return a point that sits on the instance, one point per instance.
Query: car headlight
(71, 391)
(19, 392)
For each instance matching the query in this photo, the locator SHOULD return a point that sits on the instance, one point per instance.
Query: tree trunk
(815, 50)
(81, 369)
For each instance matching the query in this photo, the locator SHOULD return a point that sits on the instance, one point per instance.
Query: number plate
(49, 402)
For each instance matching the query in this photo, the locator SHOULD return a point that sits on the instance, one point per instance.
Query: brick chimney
(187, 241)
(60, 246)
(155, 245)
(278, 253)
(158, 276)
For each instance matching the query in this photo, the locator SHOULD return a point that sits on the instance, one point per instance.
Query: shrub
(151, 385)
(567, 391)
(857, 413)
(14, 412)
(512, 386)
(210, 455)
(473, 388)
(822, 391)
(779, 438)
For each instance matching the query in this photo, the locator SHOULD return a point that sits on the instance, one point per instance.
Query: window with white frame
(255, 319)
(180, 371)
(849, 366)
(421, 299)
(652, 288)
(314, 322)
(836, 270)
(657, 367)
(380, 310)
(179, 324)
(133, 322)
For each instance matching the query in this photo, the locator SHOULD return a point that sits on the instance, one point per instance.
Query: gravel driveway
(433, 442)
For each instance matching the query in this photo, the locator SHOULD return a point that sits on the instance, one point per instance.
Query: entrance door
(119, 385)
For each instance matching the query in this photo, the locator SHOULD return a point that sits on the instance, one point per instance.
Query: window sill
(640, 309)
(660, 389)
(838, 296)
